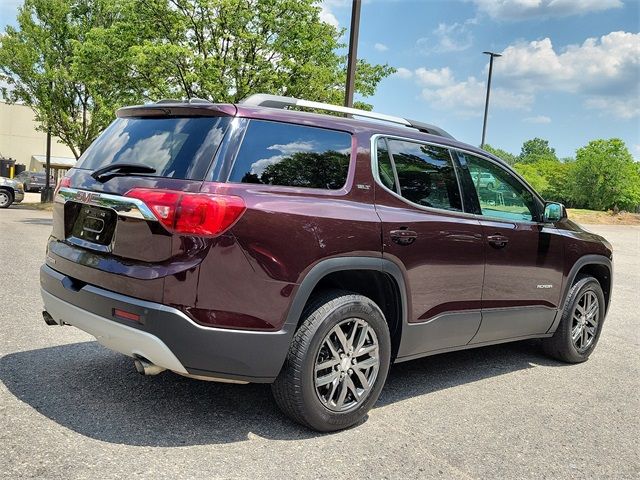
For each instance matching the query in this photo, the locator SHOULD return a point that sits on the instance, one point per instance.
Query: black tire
(6, 198)
(561, 345)
(295, 391)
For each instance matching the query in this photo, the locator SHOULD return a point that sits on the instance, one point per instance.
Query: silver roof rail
(277, 101)
(191, 101)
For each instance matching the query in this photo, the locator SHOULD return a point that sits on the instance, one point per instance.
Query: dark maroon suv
(260, 243)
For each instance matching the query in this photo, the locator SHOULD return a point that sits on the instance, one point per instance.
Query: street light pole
(486, 103)
(353, 53)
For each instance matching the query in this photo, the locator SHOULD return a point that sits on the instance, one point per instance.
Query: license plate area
(93, 227)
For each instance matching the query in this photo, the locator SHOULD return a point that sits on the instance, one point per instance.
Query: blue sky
(570, 71)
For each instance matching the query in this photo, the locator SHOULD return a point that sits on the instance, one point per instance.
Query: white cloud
(287, 149)
(605, 70)
(327, 8)
(327, 16)
(454, 37)
(541, 119)
(434, 78)
(403, 73)
(525, 9)
(465, 98)
(292, 147)
(381, 47)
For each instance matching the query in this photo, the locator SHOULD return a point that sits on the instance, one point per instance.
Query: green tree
(75, 61)
(605, 176)
(306, 169)
(550, 178)
(510, 158)
(224, 50)
(536, 149)
(36, 62)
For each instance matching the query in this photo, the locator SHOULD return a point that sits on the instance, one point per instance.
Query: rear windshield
(175, 147)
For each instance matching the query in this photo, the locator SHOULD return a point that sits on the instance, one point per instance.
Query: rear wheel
(337, 362)
(581, 323)
(6, 198)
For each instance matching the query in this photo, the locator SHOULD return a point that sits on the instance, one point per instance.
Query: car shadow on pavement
(97, 393)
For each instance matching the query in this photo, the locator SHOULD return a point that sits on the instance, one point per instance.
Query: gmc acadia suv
(260, 243)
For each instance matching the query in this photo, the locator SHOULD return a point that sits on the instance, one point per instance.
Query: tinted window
(385, 168)
(500, 194)
(175, 147)
(275, 153)
(426, 175)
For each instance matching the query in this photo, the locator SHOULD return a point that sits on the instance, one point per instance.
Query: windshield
(174, 147)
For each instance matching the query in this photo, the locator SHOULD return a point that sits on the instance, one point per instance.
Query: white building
(20, 140)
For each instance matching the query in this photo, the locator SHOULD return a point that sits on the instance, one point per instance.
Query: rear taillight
(191, 213)
(64, 182)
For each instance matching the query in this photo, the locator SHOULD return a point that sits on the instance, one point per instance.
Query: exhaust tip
(146, 368)
(48, 319)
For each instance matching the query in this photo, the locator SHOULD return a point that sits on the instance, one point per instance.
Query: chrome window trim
(376, 176)
(374, 170)
(123, 206)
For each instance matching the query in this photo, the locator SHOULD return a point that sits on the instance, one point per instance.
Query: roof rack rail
(277, 101)
(190, 101)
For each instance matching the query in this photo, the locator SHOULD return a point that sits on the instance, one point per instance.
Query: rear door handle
(403, 237)
(497, 240)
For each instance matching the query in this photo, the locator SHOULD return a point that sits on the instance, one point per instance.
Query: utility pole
(353, 52)
(492, 55)
(46, 195)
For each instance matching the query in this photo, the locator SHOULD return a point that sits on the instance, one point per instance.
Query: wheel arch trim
(338, 264)
(582, 262)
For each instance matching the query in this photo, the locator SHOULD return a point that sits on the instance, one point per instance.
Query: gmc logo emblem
(86, 197)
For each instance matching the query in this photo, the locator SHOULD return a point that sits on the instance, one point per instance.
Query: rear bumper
(164, 335)
(18, 196)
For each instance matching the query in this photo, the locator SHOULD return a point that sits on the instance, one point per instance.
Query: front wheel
(581, 323)
(337, 362)
(6, 198)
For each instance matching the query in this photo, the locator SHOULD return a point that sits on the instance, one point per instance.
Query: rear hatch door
(104, 236)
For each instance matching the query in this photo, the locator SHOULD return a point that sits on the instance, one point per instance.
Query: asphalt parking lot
(71, 409)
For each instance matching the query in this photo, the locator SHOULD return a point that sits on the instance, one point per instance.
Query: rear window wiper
(120, 169)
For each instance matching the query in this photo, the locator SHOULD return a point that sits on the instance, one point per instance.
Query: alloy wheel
(347, 365)
(584, 325)
(4, 198)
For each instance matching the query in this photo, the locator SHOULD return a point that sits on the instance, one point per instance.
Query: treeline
(74, 62)
(602, 176)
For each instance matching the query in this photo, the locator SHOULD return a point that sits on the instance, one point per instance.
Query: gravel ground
(71, 409)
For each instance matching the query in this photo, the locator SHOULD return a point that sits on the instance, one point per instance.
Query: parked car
(254, 243)
(11, 191)
(34, 181)
(483, 180)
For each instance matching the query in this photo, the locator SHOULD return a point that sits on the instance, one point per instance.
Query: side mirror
(554, 212)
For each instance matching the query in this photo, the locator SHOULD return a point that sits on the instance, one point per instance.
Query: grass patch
(47, 207)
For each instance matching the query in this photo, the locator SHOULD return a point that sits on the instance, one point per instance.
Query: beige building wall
(19, 138)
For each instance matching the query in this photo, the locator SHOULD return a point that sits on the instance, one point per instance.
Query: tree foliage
(37, 63)
(75, 61)
(550, 178)
(510, 158)
(536, 149)
(224, 50)
(605, 176)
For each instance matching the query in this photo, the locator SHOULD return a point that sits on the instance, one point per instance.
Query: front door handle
(403, 237)
(497, 240)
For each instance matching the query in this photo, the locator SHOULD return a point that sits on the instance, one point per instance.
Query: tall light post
(492, 55)
(353, 53)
